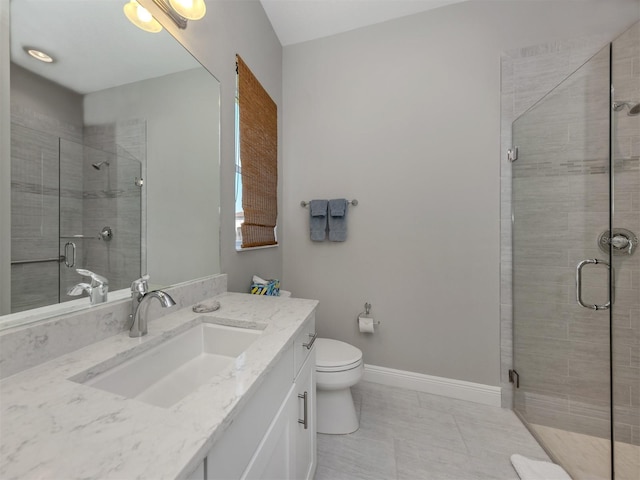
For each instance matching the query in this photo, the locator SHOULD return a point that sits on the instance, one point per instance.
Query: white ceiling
(94, 45)
(296, 21)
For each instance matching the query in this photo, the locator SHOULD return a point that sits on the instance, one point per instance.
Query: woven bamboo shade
(259, 159)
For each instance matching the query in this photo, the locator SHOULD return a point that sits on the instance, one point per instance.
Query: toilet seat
(336, 356)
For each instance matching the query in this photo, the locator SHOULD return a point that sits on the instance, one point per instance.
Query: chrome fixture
(579, 268)
(353, 202)
(139, 293)
(97, 290)
(70, 259)
(512, 154)
(623, 241)
(97, 165)
(179, 11)
(105, 234)
(634, 108)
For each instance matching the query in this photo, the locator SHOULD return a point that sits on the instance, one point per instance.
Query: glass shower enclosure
(576, 286)
(73, 205)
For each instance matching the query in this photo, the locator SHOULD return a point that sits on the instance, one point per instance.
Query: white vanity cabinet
(274, 435)
(287, 451)
(304, 436)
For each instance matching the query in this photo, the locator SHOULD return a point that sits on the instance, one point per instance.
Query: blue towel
(318, 219)
(338, 219)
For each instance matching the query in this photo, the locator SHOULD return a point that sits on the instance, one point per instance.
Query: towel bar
(353, 202)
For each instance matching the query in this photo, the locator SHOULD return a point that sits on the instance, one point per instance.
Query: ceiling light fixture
(141, 18)
(189, 9)
(39, 55)
(179, 11)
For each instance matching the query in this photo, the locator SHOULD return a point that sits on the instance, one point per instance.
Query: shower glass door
(561, 205)
(625, 314)
(73, 206)
(100, 215)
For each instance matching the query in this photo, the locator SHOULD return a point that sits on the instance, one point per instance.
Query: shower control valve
(623, 241)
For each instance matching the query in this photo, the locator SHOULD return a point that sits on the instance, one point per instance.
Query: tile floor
(409, 435)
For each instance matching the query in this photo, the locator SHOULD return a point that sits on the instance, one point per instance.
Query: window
(256, 162)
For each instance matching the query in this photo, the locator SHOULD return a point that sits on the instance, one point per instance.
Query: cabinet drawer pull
(303, 396)
(313, 339)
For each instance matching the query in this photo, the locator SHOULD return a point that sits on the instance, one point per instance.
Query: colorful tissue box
(271, 288)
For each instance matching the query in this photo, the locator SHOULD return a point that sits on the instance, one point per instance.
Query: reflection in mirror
(101, 139)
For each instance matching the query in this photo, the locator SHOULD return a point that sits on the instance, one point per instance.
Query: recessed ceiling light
(39, 55)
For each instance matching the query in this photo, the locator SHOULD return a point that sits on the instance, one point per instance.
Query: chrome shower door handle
(579, 267)
(73, 254)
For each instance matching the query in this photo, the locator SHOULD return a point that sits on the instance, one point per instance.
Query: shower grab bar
(579, 267)
(40, 260)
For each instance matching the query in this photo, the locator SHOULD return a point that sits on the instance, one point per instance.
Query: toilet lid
(334, 353)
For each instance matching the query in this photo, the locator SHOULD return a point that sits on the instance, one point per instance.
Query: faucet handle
(76, 290)
(96, 280)
(140, 286)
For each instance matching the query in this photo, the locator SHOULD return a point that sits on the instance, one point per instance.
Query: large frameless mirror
(114, 155)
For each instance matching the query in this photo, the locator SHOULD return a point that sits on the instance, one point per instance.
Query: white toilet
(338, 367)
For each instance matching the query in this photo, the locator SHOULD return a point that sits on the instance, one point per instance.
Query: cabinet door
(274, 460)
(305, 438)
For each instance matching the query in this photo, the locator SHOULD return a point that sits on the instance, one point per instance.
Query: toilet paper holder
(367, 311)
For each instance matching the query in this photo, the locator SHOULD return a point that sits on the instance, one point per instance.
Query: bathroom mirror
(114, 155)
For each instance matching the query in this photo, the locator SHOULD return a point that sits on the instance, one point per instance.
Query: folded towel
(318, 219)
(338, 207)
(528, 469)
(338, 219)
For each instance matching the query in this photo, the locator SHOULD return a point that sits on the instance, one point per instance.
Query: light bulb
(140, 17)
(189, 9)
(143, 14)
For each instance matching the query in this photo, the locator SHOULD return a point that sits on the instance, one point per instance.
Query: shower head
(97, 165)
(634, 108)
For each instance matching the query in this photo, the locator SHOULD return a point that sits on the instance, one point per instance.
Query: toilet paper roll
(365, 324)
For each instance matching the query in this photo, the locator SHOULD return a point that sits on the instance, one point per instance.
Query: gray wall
(405, 117)
(37, 94)
(240, 27)
(182, 171)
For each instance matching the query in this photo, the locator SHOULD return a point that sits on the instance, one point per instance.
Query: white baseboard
(446, 387)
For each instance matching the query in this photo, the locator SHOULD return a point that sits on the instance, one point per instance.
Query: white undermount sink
(168, 372)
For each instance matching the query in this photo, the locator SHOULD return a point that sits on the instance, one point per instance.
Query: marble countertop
(54, 428)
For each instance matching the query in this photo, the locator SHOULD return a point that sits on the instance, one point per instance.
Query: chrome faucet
(139, 293)
(97, 290)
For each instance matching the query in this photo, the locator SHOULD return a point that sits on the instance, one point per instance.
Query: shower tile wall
(34, 205)
(626, 309)
(112, 199)
(88, 199)
(527, 75)
(561, 205)
(584, 407)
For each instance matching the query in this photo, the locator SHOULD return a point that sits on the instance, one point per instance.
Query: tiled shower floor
(414, 436)
(588, 458)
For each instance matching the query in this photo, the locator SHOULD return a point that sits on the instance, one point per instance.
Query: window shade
(258, 119)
